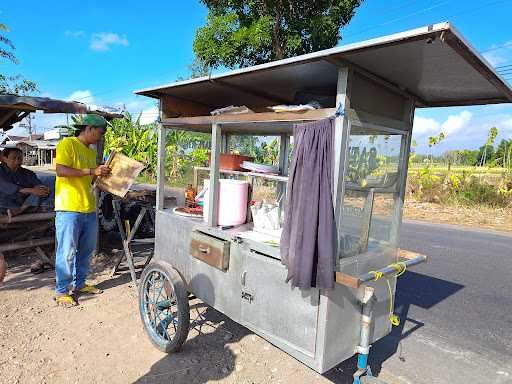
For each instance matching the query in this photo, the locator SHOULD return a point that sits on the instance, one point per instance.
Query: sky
(99, 52)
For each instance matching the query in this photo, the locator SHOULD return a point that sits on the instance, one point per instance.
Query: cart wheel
(163, 306)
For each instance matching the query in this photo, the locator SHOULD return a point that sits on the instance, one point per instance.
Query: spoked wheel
(163, 306)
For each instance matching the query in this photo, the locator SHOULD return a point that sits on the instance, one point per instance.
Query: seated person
(20, 188)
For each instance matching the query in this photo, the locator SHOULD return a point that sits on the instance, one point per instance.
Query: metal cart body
(245, 279)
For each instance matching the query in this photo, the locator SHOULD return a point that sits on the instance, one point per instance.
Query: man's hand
(42, 190)
(102, 170)
(38, 190)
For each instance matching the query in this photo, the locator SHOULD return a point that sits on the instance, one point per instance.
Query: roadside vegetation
(467, 178)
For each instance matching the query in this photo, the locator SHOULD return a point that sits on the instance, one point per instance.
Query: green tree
(468, 157)
(503, 153)
(493, 132)
(243, 33)
(15, 84)
(485, 154)
(432, 142)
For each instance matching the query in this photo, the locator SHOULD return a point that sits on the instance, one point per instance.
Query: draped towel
(308, 240)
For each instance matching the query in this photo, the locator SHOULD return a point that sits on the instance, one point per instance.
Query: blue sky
(99, 52)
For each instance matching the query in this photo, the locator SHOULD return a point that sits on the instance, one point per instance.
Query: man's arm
(65, 171)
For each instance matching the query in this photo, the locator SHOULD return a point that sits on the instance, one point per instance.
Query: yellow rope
(400, 268)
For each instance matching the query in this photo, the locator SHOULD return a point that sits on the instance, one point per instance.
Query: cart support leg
(364, 345)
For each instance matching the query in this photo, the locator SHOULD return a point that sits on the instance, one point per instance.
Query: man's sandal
(66, 301)
(91, 289)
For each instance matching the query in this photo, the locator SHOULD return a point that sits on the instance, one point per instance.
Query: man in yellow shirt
(75, 206)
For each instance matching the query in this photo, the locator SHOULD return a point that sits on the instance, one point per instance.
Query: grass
(438, 168)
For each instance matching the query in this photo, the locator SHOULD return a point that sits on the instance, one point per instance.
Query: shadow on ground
(19, 276)
(205, 356)
(413, 289)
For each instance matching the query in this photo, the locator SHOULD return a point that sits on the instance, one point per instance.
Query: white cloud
(102, 41)
(455, 123)
(74, 33)
(463, 130)
(136, 106)
(149, 115)
(425, 125)
(84, 96)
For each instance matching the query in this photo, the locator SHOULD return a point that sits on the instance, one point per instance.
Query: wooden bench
(21, 228)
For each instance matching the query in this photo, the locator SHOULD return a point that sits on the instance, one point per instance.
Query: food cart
(370, 90)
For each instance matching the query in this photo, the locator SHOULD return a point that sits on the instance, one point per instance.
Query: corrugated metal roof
(433, 63)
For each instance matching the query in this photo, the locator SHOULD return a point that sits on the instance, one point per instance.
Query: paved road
(458, 308)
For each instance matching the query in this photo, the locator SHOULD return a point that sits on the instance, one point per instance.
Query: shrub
(459, 189)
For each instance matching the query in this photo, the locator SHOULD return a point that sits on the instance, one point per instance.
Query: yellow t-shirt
(75, 193)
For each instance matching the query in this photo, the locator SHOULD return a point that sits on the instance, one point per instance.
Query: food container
(232, 205)
(231, 162)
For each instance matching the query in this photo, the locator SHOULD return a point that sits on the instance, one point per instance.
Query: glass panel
(382, 219)
(371, 187)
(373, 159)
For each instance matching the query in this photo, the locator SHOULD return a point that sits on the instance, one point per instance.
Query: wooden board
(124, 173)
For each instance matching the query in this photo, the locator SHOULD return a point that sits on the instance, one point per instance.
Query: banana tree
(134, 140)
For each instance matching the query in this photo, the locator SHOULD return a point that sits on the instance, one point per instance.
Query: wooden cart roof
(14, 108)
(432, 64)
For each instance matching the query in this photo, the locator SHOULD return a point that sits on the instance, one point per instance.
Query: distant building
(37, 149)
(56, 133)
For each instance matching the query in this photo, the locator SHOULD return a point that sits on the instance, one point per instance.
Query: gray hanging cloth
(308, 240)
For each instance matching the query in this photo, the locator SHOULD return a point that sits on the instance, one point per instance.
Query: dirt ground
(102, 340)
(498, 219)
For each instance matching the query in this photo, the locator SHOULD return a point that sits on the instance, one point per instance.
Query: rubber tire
(106, 212)
(183, 315)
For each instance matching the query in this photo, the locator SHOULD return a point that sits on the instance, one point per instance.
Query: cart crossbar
(406, 259)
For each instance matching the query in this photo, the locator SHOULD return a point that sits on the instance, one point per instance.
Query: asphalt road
(456, 310)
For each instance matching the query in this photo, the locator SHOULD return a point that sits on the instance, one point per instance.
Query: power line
(506, 45)
(424, 10)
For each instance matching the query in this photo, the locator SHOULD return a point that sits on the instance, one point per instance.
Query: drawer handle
(204, 250)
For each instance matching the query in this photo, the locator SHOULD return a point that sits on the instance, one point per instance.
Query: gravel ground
(102, 341)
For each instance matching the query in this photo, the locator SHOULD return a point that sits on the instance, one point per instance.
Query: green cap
(93, 120)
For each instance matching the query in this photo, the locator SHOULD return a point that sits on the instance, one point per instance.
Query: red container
(232, 162)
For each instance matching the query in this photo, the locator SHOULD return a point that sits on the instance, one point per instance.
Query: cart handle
(407, 259)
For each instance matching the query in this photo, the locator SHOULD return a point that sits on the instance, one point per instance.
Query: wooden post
(214, 176)
(160, 189)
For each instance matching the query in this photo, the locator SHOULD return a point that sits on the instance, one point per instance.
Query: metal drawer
(211, 250)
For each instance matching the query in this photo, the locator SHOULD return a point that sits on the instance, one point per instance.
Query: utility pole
(28, 126)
